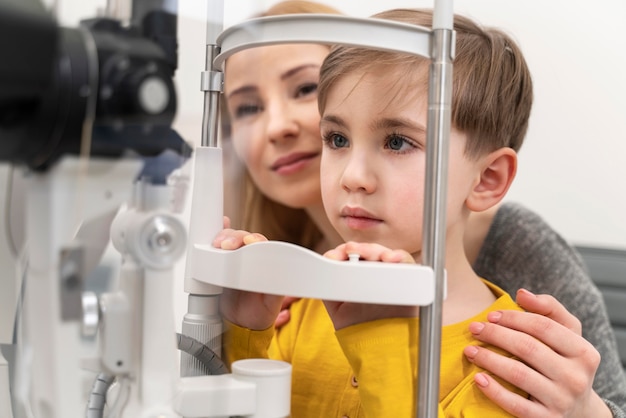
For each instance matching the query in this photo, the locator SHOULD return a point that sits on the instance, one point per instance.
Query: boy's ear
(497, 174)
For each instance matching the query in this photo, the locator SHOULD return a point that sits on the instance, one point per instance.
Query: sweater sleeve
(522, 250)
(242, 343)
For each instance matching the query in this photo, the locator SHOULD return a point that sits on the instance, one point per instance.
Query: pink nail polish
(481, 380)
(494, 316)
(471, 351)
(476, 327)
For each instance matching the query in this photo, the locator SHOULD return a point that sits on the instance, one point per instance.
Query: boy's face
(373, 161)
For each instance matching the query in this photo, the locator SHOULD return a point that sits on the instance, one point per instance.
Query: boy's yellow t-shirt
(370, 369)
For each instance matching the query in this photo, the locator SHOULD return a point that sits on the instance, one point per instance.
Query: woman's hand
(251, 310)
(555, 366)
(344, 314)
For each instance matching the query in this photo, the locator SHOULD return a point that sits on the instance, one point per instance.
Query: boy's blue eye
(398, 143)
(395, 143)
(339, 141)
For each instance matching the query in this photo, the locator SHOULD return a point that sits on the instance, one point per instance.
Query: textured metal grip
(204, 324)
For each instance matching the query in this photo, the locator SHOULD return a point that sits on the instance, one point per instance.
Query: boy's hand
(344, 314)
(284, 315)
(251, 310)
(369, 252)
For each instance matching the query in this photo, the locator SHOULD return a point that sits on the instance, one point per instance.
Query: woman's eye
(306, 89)
(245, 110)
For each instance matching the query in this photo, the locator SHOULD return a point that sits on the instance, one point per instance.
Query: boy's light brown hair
(492, 87)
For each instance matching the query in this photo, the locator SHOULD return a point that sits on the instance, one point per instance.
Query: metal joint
(212, 81)
(443, 45)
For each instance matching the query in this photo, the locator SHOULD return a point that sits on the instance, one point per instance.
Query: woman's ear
(497, 174)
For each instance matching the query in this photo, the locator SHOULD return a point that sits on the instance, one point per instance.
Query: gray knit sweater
(521, 250)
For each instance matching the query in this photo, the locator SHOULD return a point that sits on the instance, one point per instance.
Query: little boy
(374, 111)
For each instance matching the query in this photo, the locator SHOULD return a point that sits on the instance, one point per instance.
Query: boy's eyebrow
(333, 119)
(399, 122)
(382, 123)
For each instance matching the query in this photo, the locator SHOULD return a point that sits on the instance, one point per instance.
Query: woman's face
(271, 93)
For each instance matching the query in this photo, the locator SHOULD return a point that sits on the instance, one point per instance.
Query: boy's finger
(282, 318)
(252, 238)
(336, 254)
(367, 251)
(397, 256)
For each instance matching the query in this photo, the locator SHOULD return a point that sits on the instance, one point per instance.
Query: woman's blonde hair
(492, 87)
(260, 213)
(291, 7)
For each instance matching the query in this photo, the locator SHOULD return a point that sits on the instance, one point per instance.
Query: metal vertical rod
(434, 222)
(212, 77)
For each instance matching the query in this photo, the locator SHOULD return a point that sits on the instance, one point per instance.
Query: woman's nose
(282, 123)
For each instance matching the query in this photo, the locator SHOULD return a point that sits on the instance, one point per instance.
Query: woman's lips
(293, 163)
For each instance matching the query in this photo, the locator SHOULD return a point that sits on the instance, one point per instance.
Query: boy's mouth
(358, 218)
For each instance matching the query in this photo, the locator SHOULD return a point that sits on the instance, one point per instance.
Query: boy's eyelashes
(335, 140)
(400, 143)
(394, 142)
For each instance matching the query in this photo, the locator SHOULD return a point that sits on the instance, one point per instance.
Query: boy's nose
(358, 175)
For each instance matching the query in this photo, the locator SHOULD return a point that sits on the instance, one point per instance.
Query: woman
(275, 132)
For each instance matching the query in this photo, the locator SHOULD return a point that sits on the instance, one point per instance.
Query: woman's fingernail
(527, 292)
(471, 351)
(481, 380)
(494, 316)
(476, 327)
